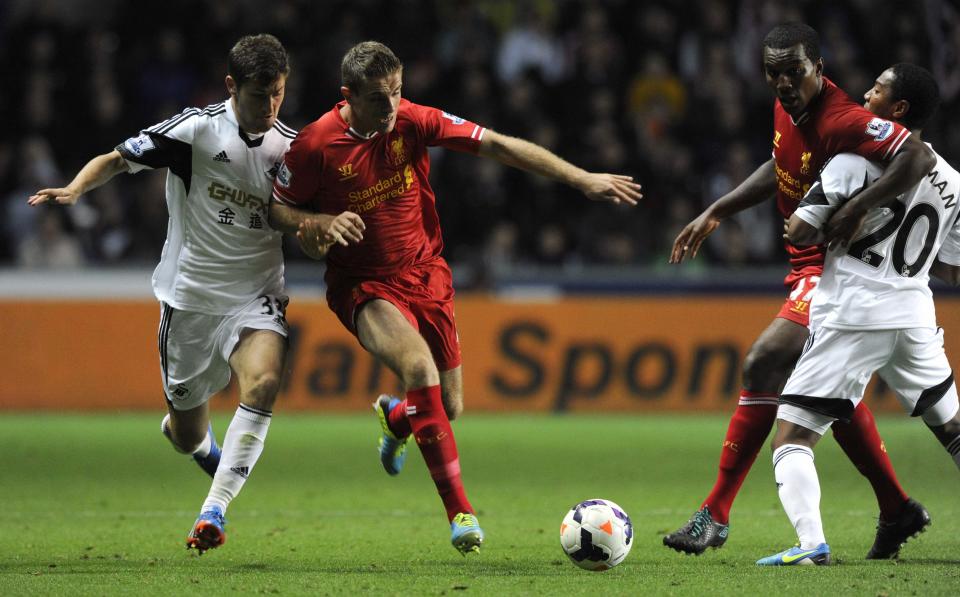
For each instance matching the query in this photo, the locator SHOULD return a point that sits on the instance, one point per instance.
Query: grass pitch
(98, 505)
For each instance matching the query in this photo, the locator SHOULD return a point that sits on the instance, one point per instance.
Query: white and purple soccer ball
(596, 534)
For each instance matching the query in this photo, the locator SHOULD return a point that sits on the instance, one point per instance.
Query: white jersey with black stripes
(220, 253)
(881, 279)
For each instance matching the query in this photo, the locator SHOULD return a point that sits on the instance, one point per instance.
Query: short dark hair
(918, 86)
(260, 58)
(367, 60)
(788, 35)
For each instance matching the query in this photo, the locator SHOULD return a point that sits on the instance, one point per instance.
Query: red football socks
(431, 429)
(397, 420)
(862, 444)
(748, 429)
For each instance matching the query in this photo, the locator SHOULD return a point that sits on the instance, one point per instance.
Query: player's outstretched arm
(320, 232)
(948, 273)
(757, 188)
(519, 153)
(315, 232)
(286, 219)
(95, 173)
(912, 162)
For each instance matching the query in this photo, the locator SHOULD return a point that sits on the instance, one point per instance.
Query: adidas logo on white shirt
(221, 157)
(243, 471)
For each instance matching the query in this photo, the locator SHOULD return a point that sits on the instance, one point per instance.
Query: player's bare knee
(261, 390)
(764, 369)
(419, 371)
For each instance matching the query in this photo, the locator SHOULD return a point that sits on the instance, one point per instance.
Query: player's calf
(948, 433)
(206, 453)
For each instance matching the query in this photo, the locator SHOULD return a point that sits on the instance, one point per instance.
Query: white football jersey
(881, 279)
(220, 253)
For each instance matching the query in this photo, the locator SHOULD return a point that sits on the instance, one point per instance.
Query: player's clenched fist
(317, 234)
(345, 228)
(843, 226)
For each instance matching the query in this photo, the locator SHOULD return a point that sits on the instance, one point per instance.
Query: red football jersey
(833, 123)
(330, 168)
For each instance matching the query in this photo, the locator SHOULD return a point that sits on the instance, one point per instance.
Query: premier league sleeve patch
(879, 129)
(452, 118)
(284, 176)
(137, 146)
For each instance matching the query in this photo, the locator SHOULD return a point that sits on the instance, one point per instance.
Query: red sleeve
(861, 132)
(298, 179)
(446, 130)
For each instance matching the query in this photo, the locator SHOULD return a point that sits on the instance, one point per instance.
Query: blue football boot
(393, 450)
(208, 532)
(818, 556)
(466, 534)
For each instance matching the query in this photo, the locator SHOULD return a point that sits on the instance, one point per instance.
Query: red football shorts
(423, 293)
(797, 306)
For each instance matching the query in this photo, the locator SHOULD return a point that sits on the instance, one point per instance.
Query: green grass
(98, 505)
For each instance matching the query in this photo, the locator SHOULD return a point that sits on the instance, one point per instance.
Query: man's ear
(900, 109)
(347, 94)
(231, 85)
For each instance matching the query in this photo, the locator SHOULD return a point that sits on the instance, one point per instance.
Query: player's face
(879, 99)
(373, 106)
(793, 77)
(256, 104)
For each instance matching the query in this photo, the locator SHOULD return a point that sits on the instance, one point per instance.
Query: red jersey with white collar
(832, 124)
(330, 168)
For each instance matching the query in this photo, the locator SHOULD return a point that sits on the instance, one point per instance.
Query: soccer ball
(596, 534)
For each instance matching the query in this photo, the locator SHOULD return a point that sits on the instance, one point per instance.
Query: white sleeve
(949, 252)
(163, 145)
(843, 177)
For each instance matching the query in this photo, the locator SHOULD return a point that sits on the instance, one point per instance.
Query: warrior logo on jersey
(879, 129)
(138, 145)
(346, 172)
(284, 177)
(453, 119)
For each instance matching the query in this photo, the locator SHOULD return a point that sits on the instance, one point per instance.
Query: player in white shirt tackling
(220, 277)
(873, 308)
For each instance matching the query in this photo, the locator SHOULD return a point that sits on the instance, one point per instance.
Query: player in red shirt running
(813, 121)
(355, 187)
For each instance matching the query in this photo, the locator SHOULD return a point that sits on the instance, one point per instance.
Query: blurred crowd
(670, 92)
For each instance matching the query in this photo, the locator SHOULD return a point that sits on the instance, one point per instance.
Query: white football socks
(799, 490)
(953, 448)
(242, 446)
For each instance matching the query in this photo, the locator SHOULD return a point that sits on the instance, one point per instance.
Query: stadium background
(563, 304)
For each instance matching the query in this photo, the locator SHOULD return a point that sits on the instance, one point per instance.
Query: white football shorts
(831, 376)
(195, 348)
